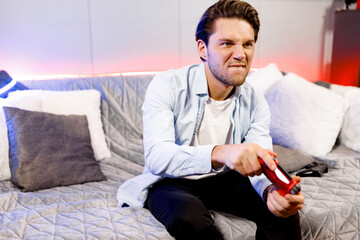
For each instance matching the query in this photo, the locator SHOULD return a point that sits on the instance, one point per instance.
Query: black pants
(183, 205)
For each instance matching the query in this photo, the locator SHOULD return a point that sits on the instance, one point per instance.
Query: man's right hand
(242, 158)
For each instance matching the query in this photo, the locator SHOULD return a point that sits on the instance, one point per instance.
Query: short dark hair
(226, 9)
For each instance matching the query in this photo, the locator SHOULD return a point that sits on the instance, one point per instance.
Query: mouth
(237, 66)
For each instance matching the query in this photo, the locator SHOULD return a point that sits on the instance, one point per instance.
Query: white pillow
(27, 103)
(350, 132)
(264, 78)
(342, 90)
(80, 102)
(305, 116)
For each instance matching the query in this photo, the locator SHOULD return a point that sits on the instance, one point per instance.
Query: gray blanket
(90, 211)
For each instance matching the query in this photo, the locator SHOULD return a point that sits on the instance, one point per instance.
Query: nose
(239, 52)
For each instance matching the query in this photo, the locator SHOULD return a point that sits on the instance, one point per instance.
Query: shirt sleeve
(163, 156)
(259, 130)
(259, 133)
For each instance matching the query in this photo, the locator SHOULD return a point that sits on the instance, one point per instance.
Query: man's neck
(218, 90)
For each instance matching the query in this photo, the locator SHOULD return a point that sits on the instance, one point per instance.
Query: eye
(248, 44)
(226, 44)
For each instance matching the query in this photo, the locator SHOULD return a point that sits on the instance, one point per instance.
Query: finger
(291, 203)
(269, 161)
(246, 161)
(281, 201)
(279, 210)
(296, 178)
(271, 207)
(295, 199)
(248, 168)
(274, 154)
(275, 203)
(255, 164)
(241, 170)
(295, 206)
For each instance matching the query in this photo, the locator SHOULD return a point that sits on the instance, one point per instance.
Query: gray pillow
(49, 150)
(292, 160)
(323, 84)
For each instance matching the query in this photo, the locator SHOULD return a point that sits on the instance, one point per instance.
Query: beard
(224, 77)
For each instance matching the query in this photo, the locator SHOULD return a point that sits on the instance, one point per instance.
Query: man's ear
(202, 50)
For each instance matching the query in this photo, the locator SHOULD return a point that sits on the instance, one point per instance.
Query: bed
(89, 210)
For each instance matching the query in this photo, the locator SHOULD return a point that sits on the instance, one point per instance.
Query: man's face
(229, 52)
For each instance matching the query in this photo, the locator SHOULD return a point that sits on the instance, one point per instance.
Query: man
(204, 130)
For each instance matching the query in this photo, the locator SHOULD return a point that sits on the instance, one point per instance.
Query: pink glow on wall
(38, 69)
(31, 68)
(299, 66)
(155, 62)
(65, 76)
(43, 39)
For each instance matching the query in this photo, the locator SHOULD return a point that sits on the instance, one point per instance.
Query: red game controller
(280, 178)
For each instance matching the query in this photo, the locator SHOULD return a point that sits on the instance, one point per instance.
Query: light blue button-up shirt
(172, 111)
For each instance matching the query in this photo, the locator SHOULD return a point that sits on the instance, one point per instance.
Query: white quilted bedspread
(87, 211)
(90, 211)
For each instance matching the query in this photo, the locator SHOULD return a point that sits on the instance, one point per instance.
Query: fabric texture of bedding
(89, 210)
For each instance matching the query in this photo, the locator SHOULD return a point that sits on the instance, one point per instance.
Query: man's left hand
(285, 206)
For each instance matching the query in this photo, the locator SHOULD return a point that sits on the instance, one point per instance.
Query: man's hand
(242, 158)
(285, 206)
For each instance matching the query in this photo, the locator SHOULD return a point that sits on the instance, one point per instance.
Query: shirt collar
(201, 86)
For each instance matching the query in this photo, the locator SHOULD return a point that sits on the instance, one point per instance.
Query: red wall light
(345, 62)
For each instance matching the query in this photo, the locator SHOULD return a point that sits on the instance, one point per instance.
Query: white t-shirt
(215, 127)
